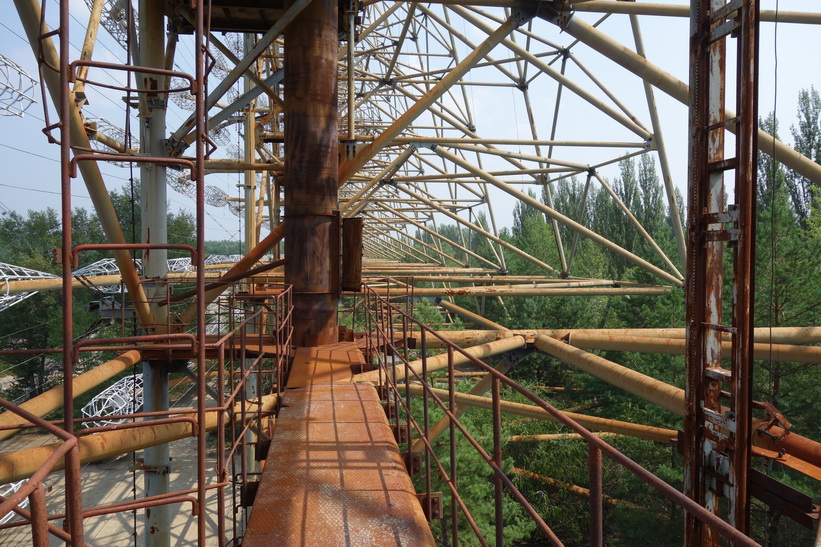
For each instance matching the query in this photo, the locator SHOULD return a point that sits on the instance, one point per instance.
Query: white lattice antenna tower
(10, 272)
(16, 88)
(125, 396)
(7, 490)
(114, 19)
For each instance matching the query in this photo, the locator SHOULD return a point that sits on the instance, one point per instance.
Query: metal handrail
(383, 314)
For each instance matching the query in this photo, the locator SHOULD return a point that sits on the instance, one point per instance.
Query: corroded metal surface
(311, 162)
(325, 364)
(334, 475)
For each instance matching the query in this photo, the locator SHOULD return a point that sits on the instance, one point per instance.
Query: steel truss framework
(415, 152)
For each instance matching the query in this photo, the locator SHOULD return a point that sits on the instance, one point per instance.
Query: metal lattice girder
(8, 489)
(125, 396)
(114, 19)
(10, 272)
(16, 88)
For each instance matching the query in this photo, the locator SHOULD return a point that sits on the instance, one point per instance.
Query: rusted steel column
(352, 254)
(717, 429)
(39, 517)
(594, 465)
(311, 172)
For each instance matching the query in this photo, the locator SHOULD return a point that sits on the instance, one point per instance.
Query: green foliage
(36, 323)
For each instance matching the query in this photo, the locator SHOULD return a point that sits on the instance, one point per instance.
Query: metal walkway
(334, 474)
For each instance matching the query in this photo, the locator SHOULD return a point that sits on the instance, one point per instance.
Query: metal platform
(334, 474)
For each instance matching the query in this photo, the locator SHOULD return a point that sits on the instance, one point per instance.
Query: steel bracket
(435, 505)
(400, 432)
(413, 462)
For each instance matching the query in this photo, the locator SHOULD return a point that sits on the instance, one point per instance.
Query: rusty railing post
(594, 463)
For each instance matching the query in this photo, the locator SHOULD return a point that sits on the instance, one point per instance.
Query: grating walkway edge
(334, 474)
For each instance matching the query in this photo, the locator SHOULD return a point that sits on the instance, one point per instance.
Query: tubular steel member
(717, 429)
(52, 399)
(30, 17)
(379, 310)
(440, 362)
(352, 254)
(121, 439)
(154, 230)
(311, 167)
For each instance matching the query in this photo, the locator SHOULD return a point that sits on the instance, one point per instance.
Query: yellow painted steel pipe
(667, 396)
(668, 10)
(657, 392)
(566, 437)
(470, 316)
(52, 399)
(763, 335)
(351, 166)
(530, 290)
(22, 464)
(530, 411)
(679, 90)
(440, 362)
(672, 346)
(30, 16)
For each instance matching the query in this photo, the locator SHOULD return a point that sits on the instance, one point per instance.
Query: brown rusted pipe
(52, 399)
(440, 362)
(24, 463)
(311, 172)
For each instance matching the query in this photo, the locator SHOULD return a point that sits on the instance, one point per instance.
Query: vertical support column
(250, 210)
(717, 427)
(153, 196)
(311, 172)
(73, 480)
(250, 154)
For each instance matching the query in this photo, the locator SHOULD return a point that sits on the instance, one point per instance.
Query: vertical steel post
(717, 428)
(74, 491)
(154, 229)
(311, 171)
(251, 239)
(498, 486)
(594, 465)
(39, 517)
(249, 153)
(200, 116)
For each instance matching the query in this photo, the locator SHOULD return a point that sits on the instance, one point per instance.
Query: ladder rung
(719, 374)
(723, 165)
(720, 217)
(720, 328)
(725, 11)
(722, 30)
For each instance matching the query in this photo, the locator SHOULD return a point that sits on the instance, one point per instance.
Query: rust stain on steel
(311, 167)
(334, 475)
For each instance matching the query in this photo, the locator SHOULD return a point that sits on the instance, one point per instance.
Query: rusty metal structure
(359, 133)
